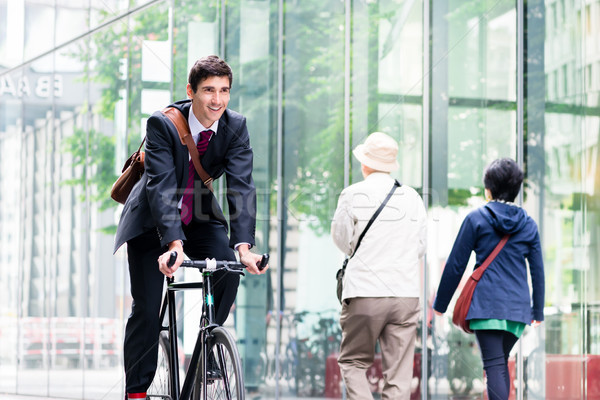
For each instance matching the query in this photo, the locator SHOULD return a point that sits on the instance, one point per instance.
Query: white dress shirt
(196, 127)
(387, 263)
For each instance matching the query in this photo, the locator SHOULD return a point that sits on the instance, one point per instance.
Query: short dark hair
(503, 178)
(206, 67)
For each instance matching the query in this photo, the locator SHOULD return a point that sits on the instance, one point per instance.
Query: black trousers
(204, 240)
(495, 349)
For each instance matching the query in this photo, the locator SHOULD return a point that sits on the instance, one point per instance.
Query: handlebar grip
(263, 262)
(172, 259)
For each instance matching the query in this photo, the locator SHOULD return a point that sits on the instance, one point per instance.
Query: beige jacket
(387, 263)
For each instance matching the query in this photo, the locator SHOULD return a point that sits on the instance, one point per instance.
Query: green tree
(93, 157)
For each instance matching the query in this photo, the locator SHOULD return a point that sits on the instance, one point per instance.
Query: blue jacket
(503, 291)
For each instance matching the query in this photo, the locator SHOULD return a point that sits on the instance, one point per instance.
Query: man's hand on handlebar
(163, 260)
(250, 260)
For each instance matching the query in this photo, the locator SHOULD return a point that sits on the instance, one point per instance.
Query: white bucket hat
(378, 152)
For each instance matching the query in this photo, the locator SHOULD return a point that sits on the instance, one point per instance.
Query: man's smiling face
(210, 100)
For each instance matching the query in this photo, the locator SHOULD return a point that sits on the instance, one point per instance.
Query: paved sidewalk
(4, 396)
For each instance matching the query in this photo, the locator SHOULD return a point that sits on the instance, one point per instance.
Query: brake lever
(263, 261)
(172, 259)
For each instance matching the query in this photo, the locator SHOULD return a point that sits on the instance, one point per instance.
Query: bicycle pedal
(213, 375)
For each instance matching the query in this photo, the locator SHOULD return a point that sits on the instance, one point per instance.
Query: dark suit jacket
(153, 201)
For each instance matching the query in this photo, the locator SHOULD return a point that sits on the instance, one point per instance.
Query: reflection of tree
(116, 69)
(93, 157)
(93, 152)
(118, 61)
(314, 109)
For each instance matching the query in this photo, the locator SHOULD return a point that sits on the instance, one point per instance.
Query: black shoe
(213, 372)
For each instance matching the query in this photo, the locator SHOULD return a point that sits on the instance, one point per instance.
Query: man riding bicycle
(172, 209)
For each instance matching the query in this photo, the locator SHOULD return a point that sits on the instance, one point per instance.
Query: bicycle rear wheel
(161, 385)
(231, 384)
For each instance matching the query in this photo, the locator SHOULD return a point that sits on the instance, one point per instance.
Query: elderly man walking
(380, 298)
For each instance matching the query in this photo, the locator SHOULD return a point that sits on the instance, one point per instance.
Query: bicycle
(223, 378)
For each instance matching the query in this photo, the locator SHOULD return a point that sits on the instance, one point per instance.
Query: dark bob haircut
(503, 178)
(206, 67)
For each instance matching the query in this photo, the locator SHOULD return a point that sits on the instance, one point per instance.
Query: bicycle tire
(225, 351)
(161, 384)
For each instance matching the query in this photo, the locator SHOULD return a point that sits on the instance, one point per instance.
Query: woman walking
(502, 304)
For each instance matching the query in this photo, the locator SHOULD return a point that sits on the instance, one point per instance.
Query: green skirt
(516, 328)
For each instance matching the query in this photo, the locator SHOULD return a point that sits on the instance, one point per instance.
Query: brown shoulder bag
(461, 309)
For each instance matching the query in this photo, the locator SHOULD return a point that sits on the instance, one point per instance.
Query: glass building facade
(458, 83)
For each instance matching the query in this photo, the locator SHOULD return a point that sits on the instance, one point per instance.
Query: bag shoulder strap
(141, 144)
(377, 212)
(479, 271)
(183, 129)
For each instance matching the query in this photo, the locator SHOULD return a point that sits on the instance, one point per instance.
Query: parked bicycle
(215, 368)
(312, 351)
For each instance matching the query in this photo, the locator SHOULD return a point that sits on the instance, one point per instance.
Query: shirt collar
(196, 127)
(379, 176)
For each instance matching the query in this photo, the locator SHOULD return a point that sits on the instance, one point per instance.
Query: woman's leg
(508, 344)
(495, 348)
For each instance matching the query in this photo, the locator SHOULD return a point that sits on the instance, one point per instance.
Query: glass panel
(72, 18)
(482, 50)
(12, 14)
(79, 304)
(387, 70)
(38, 241)
(102, 11)
(387, 80)
(13, 343)
(250, 51)
(39, 19)
(563, 155)
(68, 288)
(473, 121)
(404, 123)
(313, 157)
(140, 51)
(4, 43)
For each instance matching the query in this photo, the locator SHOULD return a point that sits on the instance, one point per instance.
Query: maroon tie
(188, 194)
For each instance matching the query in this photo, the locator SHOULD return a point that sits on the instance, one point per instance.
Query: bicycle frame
(208, 329)
(208, 314)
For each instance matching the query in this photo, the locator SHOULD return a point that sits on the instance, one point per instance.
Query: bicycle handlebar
(213, 265)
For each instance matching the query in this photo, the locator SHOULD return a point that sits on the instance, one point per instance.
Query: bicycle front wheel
(161, 385)
(230, 384)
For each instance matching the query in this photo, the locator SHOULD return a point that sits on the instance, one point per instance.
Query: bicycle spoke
(161, 385)
(223, 365)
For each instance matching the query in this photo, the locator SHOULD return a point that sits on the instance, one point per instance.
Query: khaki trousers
(392, 321)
